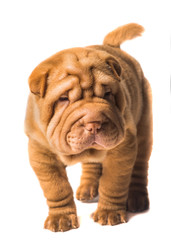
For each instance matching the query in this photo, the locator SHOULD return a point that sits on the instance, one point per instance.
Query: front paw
(87, 192)
(61, 223)
(109, 217)
(137, 202)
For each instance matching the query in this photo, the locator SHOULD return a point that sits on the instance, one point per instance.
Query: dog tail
(123, 33)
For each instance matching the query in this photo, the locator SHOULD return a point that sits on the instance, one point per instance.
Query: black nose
(93, 127)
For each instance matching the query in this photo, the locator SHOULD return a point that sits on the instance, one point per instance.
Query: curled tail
(123, 33)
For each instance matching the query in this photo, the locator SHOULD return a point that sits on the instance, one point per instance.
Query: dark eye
(107, 95)
(63, 98)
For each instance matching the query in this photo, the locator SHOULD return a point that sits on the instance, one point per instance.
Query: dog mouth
(88, 126)
(100, 141)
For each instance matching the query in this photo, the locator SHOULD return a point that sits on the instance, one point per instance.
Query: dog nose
(93, 126)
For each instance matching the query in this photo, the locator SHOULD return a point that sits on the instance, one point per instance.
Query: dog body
(91, 105)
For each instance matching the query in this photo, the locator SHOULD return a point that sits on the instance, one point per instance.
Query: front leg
(114, 183)
(57, 190)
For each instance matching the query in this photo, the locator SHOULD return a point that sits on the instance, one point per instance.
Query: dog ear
(38, 80)
(115, 66)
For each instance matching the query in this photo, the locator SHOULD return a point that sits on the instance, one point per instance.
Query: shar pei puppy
(91, 105)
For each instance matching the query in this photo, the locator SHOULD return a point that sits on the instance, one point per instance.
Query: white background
(31, 31)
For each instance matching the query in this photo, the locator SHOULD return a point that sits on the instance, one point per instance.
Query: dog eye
(107, 95)
(63, 98)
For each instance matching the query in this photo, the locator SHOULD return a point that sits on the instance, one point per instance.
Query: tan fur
(91, 105)
(123, 33)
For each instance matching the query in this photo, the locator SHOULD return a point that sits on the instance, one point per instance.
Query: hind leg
(88, 188)
(138, 194)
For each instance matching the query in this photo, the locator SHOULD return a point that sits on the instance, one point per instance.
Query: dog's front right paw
(61, 223)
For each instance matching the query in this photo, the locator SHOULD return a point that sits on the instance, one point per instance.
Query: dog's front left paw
(109, 217)
(61, 223)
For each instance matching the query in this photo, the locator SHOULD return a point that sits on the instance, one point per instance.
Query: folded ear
(38, 80)
(115, 66)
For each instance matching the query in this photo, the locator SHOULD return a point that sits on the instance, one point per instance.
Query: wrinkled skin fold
(91, 105)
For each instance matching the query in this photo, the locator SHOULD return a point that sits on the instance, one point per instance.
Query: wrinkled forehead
(82, 62)
(83, 68)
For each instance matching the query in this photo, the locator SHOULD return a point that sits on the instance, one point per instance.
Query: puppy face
(79, 100)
